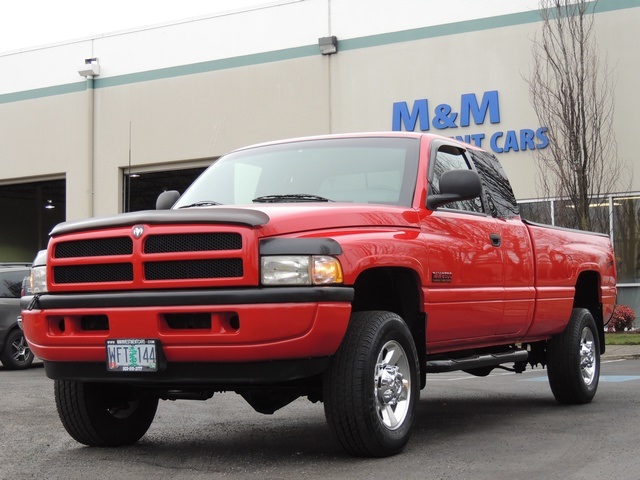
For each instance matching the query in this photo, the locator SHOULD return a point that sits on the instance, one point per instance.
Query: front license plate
(132, 355)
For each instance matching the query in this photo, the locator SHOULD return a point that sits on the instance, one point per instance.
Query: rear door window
(500, 198)
(11, 283)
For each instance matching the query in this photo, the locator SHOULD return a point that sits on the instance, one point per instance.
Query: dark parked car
(14, 350)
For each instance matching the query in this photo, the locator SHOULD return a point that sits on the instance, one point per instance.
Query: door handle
(496, 240)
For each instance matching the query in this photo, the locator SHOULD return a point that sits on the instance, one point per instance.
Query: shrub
(622, 319)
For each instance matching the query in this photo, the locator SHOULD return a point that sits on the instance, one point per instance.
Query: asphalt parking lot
(504, 426)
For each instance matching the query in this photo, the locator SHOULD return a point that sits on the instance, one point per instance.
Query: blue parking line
(603, 378)
(619, 378)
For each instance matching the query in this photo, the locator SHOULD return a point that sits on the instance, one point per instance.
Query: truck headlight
(300, 270)
(39, 280)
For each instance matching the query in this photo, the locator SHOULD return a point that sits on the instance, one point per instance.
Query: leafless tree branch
(572, 92)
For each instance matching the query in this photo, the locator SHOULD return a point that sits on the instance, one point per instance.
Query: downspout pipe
(90, 70)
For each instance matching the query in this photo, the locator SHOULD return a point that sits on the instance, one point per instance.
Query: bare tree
(572, 92)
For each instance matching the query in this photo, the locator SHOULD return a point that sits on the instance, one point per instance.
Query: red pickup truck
(343, 268)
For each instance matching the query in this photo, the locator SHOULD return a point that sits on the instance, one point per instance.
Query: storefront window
(140, 190)
(539, 212)
(626, 241)
(626, 226)
(600, 215)
(565, 215)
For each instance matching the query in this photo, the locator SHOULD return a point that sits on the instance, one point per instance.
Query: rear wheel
(371, 388)
(573, 360)
(103, 415)
(16, 353)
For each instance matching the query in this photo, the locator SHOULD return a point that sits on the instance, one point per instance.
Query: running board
(477, 361)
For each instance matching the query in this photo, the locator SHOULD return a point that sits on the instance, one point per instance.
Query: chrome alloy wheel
(20, 350)
(392, 385)
(587, 356)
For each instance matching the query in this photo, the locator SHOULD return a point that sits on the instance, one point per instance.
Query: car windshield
(364, 169)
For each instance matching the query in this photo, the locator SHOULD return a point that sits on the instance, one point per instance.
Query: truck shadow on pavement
(297, 436)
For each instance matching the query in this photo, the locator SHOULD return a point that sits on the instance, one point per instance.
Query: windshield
(369, 170)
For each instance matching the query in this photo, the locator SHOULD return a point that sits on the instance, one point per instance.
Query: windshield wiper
(202, 203)
(291, 197)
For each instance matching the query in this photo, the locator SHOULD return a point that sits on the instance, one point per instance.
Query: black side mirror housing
(167, 199)
(456, 185)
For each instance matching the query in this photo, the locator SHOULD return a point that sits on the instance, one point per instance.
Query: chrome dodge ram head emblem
(137, 231)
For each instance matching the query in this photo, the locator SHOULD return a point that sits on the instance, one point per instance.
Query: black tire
(102, 415)
(372, 386)
(573, 360)
(16, 354)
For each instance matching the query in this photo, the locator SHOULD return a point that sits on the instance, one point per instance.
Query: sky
(32, 23)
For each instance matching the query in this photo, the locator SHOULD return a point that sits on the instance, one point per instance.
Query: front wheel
(371, 388)
(573, 360)
(101, 415)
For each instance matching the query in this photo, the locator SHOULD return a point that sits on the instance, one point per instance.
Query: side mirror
(456, 185)
(167, 199)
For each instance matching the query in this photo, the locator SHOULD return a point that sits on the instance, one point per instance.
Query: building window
(537, 211)
(140, 190)
(626, 238)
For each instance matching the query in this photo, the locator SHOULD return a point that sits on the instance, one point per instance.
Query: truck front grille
(110, 272)
(196, 242)
(185, 254)
(99, 247)
(222, 268)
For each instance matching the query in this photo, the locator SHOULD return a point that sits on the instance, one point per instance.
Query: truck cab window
(450, 158)
(500, 198)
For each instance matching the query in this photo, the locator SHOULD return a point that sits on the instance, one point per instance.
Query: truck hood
(271, 219)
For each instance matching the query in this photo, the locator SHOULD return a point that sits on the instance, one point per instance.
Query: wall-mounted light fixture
(91, 68)
(328, 45)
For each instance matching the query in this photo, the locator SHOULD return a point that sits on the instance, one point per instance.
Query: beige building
(102, 125)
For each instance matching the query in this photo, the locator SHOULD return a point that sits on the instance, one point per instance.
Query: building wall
(191, 91)
(205, 115)
(48, 138)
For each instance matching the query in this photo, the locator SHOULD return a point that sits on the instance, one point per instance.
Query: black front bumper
(219, 376)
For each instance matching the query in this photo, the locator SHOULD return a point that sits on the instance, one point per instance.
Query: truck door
(516, 246)
(464, 296)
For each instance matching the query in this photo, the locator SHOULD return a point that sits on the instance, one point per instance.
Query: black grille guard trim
(164, 298)
(209, 215)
